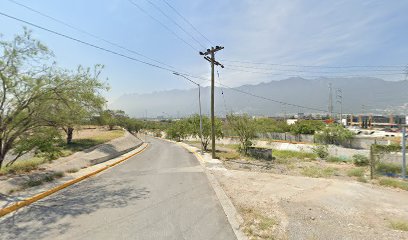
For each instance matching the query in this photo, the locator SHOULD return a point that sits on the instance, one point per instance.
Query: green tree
(194, 129)
(78, 101)
(306, 127)
(178, 130)
(27, 88)
(36, 97)
(244, 126)
(334, 134)
(267, 125)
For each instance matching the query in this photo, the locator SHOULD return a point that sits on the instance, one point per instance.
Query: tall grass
(22, 166)
(288, 154)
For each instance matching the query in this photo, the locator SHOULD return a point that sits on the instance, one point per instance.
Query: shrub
(360, 160)
(388, 168)
(334, 134)
(356, 172)
(321, 151)
(389, 182)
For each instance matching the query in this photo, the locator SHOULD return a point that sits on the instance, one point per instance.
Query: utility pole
(339, 97)
(404, 140)
(211, 59)
(199, 107)
(330, 101)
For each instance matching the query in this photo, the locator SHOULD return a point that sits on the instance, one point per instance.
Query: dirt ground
(298, 207)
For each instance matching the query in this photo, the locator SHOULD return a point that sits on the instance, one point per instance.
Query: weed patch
(399, 225)
(257, 225)
(23, 166)
(356, 172)
(287, 154)
(389, 182)
(317, 172)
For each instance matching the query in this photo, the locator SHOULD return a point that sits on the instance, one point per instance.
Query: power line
(147, 63)
(293, 75)
(315, 66)
(89, 34)
(95, 46)
(185, 19)
(272, 100)
(308, 71)
(178, 25)
(163, 25)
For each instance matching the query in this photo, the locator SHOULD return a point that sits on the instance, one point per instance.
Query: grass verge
(395, 183)
(23, 166)
(287, 154)
(85, 143)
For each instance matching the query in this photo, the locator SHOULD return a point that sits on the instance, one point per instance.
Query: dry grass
(395, 183)
(287, 154)
(318, 172)
(356, 172)
(23, 166)
(399, 225)
(228, 155)
(257, 225)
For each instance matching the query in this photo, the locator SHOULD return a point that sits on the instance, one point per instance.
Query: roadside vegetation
(43, 106)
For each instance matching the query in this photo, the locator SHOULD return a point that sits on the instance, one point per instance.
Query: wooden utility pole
(211, 59)
(403, 146)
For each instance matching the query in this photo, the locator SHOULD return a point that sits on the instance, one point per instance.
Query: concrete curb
(115, 155)
(234, 218)
(44, 194)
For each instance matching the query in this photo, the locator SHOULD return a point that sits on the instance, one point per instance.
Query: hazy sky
(329, 33)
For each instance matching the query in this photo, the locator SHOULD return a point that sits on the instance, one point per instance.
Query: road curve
(162, 193)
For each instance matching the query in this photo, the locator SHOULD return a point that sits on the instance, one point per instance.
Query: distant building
(377, 121)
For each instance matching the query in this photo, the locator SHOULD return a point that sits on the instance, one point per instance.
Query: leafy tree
(267, 125)
(25, 87)
(78, 100)
(194, 129)
(178, 130)
(132, 125)
(334, 134)
(35, 95)
(244, 126)
(306, 127)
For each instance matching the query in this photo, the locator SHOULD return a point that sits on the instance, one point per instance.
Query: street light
(199, 106)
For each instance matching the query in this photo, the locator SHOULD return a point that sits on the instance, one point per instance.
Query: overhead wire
(188, 22)
(311, 71)
(314, 66)
(297, 75)
(175, 23)
(150, 64)
(88, 33)
(163, 25)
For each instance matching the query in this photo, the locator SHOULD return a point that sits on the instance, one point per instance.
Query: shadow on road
(34, 221)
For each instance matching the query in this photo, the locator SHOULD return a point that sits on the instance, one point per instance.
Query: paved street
(161, 193)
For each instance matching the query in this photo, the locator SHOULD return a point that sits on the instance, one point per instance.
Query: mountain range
(358, 94)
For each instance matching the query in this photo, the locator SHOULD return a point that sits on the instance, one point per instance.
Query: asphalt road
(161, 193)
